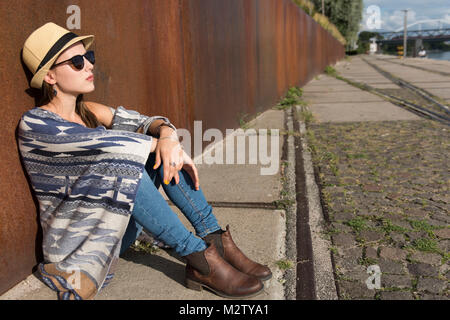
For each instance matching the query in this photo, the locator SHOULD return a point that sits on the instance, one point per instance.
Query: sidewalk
(258, 231)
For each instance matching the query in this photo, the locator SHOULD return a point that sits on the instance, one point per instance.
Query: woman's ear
(50, 78)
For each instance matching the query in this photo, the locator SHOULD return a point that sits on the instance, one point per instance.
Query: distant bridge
(429, 35)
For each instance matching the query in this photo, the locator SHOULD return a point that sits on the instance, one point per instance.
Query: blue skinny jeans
(154, 214)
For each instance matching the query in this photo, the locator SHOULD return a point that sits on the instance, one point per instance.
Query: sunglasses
(78, 60)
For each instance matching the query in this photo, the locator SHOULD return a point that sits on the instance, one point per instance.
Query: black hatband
(56, 47)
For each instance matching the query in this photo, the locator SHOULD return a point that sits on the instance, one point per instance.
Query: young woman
(96, 170)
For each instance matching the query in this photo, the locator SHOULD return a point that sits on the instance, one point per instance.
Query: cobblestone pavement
(385, 192)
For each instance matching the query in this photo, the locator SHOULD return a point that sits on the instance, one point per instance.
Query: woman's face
(67, 78)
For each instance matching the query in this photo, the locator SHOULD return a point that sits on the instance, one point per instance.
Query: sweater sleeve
(130, 120)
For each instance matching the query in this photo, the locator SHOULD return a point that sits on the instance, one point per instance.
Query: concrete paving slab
(348, 112)
(362, 75)
(341, 88)
(238, 183)
(443, 93)
(339, 97)
(432, 65)
(436, 85)
(242, 181)
(250, 166)
(160, 276)
(383, 85)
(408, 73)
(324, 81)
(352, 106)
(359, 71)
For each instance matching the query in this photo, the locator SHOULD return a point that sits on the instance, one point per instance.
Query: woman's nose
(89, 66)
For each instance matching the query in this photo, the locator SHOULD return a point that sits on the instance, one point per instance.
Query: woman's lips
(90, 78)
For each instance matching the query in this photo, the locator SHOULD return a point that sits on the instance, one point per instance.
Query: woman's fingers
(167, 172)
(192, 171)
(196, 179)
(181, 162)
(157, 159)
(190, 168)
(172, 162)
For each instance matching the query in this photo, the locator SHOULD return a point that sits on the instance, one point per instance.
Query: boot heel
(190, 284)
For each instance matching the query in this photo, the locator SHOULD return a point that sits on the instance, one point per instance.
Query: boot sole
(266, 278)
(197, 286)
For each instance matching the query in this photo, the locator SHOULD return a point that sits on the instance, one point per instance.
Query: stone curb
(323, 268)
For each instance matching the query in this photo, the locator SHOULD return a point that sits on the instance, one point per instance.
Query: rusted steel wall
(208, 60)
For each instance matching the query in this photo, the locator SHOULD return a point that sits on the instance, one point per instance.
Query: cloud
(447, 18)
(391, 14)
(396, 19)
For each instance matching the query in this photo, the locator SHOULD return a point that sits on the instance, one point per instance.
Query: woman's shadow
(154, 260)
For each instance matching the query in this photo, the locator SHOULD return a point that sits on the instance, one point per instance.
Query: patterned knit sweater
(85, 181)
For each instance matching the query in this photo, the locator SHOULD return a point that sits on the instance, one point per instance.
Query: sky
(391, 15)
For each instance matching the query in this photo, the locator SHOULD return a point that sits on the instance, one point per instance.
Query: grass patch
(356, 156)
(306, 115)
(290, 133)
(388, 227)
(284, 264)
(293, 97)
(367, 261)
(426, 245)
(242, 120)
(334, 250)
(329, 70)
(357, 224)
(141, 246)
(422, 225)
(283, 204)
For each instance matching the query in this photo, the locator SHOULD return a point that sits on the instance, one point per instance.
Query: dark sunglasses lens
(78, 62)
(90, 56)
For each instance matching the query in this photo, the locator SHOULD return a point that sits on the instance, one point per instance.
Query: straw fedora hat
(43, 46)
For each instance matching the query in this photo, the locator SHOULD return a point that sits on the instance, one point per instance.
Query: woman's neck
(64, 106)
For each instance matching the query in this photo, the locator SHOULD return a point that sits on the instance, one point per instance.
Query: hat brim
(38, 78)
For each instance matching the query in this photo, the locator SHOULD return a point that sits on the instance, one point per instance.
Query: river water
(442, 55)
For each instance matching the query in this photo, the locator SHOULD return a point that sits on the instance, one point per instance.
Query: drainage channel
(306, 287)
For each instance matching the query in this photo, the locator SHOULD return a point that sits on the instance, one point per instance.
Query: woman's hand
(190, 168)
(186, 163)
(169, 151)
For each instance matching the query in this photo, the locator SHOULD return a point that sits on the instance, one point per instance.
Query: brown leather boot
(208, 269)
(232, 254)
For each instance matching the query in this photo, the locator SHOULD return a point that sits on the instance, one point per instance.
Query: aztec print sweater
(85, 181)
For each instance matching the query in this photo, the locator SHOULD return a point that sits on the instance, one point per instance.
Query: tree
(364, 40)
(346, 15)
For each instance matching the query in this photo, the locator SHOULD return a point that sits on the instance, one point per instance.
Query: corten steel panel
(217, 59)
(281, 46)
(208, 60)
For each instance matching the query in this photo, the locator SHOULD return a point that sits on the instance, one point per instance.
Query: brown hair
(81, 109)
